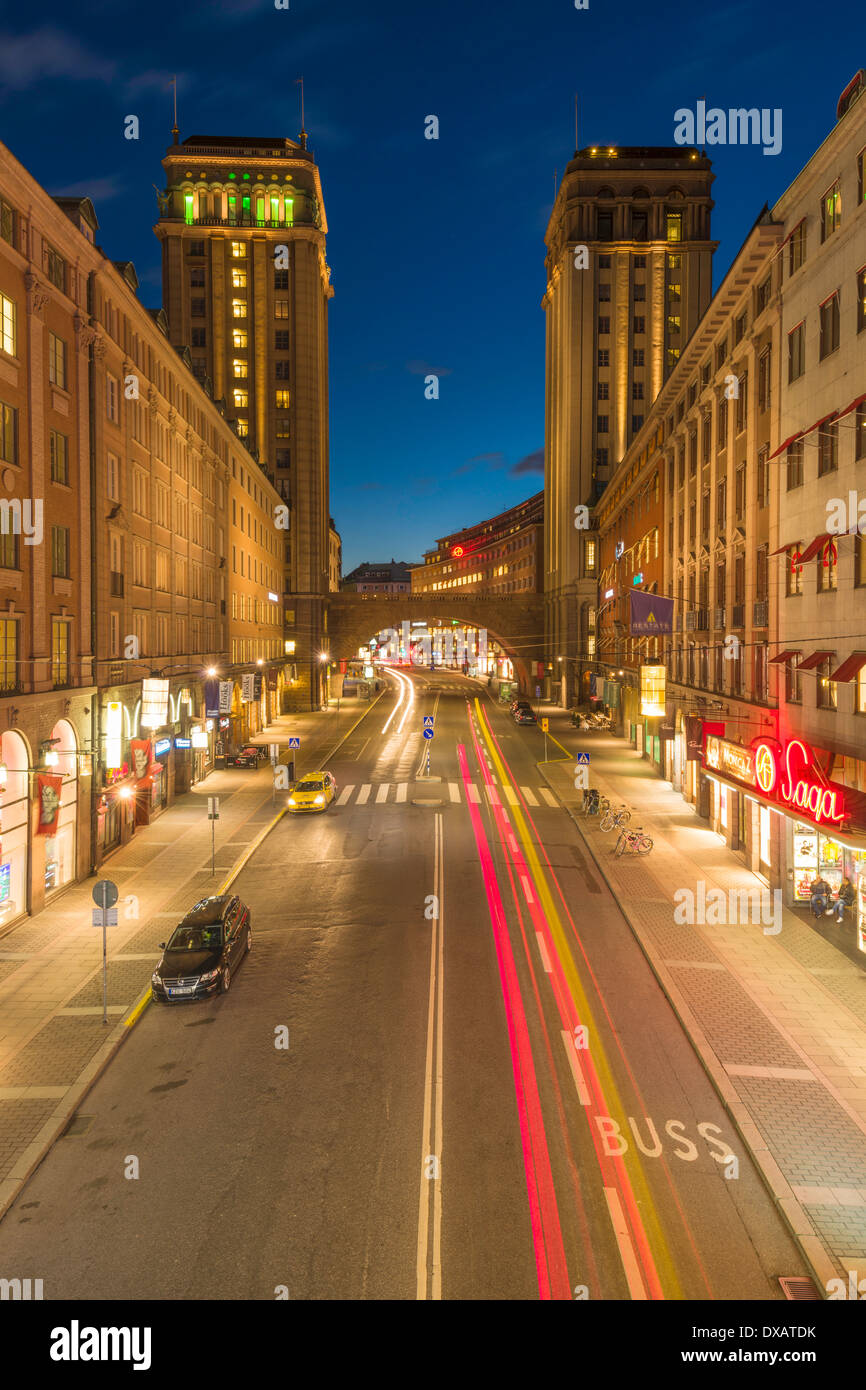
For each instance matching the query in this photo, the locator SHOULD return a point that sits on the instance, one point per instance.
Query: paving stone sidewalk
(778, 1020)
(53, 1042)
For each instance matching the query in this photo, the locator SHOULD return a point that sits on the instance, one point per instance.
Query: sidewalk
(53, 1042)
(779, 1021)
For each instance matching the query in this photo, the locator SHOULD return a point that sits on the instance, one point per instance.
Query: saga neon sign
(792, 777)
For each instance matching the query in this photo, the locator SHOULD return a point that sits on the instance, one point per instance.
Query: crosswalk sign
(583, 758)
(294, 743)
(428, 721)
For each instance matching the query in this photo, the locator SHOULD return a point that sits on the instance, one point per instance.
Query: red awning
(813, 547)
(784, 548)
(858, 400)
(833, 415)
(850, 667)
(814, 660)
(787, 444)
(784, 656)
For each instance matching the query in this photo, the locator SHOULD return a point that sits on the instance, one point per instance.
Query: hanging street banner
(225, 697)
(247, 688)
(48, 788)
(211, 699)
(651, 614)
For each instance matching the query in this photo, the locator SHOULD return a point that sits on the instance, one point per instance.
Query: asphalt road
(431, 1130)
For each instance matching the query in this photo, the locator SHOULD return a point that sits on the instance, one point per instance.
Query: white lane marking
(548, 796)
(512, 843)
(527, 891)
(511, 796)
(626, 1249)
(542, 951)
(364, 794)
(576, 1071)
(529, 796)
(454, 791)
(345, 794)
(429, 1249)
(492, 796)
(401, 790)
(382, 793)
(473, 793)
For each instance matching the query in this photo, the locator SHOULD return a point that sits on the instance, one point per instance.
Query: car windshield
(196, 938)
(309, 785)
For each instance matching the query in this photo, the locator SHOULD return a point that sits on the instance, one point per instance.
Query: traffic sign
(538, 692)
(213, 808)
(104, 893)
(583, 758)
(428, 721)
(109, 914)
(294, 743)
(545, 724)
(428, 733)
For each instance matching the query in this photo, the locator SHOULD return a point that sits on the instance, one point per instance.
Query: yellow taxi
(314, 792)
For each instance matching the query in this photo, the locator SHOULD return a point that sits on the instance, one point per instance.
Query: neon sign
(798, 784)
(457, 551)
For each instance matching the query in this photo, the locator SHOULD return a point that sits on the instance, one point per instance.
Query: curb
(820, 1263)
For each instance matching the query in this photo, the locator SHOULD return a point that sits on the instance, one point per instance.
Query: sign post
(213, 815)
(544, 724)
(105, 896)
(428, 735)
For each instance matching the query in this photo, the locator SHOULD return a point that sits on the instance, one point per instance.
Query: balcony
(719, 618)
(738, 615)
(761, 613)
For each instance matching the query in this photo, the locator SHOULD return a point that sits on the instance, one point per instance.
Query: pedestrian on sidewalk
(844, 898)
(821, 896)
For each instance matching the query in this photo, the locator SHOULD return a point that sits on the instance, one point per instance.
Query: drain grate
(79, 1124)
(799, 1288)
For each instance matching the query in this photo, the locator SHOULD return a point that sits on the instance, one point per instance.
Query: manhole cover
(799, 1288)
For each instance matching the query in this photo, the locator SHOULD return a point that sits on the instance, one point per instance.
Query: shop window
(860, 696)
(764, 839)
(827, 562)
(826, 695)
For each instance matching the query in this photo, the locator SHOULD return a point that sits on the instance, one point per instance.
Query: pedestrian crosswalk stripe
(486, 792)
(528, 796)
(511, 796)
(345, 794)
(473, 793)
(493, 796)
(364, 794)
(548, 796)
(382, 794)
(401, 791)
(454, 791)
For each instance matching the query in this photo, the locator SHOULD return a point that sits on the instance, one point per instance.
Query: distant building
(335, 557)
(394, 577)
(502, 555)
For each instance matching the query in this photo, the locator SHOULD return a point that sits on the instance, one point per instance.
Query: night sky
(436, 247)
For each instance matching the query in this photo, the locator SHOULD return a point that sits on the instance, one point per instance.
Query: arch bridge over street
(515, 621)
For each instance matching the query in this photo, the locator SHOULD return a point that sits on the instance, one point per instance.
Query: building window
(601, 424)
(601, 457)
(826, 693)
(197, 308)
(281, 309)
(240, 398)
(281, 279)
(637, 390)
(797, 351)
(54, 266)
(60, 651)
(604, 357)
(764, 476)
(282, 399)
(860, 433)
(59, 451)
(860, 694)
(196, 277)
(603, 326)
(638, 325)
(239, 250)
(673, 357)
(8, 550)
(636, 423)
(8, 433)
(243, 428)
(764, 380)
(674, 226)
(239, 308)
(56, 361)
(239, 368)
(604, 262)
(199, 337)
(604, 290)
(827, 561)
(282, 370)
(797, 247)
(111, 396)
(637, 357)
(603, 391)
(639, 292)
(742, 402)
(829, 313)
(195, 248)
(794, 460)
(603, 226)
(239, 338)
(793, 572)
(675, 260)
(60, 551)
(8, 653)
(674, 325)
(7, 222)
(831, 211)
(8, 327)
(860, 562)
(861, 299)
(762, 297)
(828, 448)
(281, 340)
(239, 278)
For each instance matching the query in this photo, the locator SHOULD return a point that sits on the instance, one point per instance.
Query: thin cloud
(420, 368)
(29, 59)
(98, 190)
(494, 461)
(531, 463)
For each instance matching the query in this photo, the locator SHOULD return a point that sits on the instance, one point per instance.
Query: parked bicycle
(633, 842)
(612, 820)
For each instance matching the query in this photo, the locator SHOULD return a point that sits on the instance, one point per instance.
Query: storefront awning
(792, 438)
(813, 660)
(783, 548)
(813, 547)
(783, 656)
(850, 667)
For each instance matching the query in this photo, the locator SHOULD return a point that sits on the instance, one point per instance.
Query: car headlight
(320, 801)
(156, 978)
(292, 801)
(206, 978)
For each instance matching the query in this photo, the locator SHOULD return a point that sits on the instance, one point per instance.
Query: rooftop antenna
(299, 82)
(174, 129)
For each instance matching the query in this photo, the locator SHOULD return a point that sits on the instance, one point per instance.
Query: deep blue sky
(436, 248)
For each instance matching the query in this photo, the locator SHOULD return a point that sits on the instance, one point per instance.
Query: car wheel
(155, 997)
(226, 981)
(249, 941)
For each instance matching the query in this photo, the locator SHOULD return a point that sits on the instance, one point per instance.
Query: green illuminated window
(260, 209)
(245, 204)
(188, 201)
(233, 206)
(290, 211)
(275, 208)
